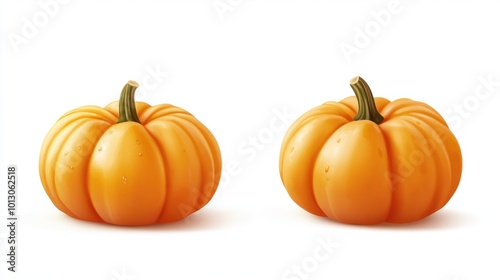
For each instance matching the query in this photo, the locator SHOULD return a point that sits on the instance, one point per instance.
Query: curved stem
(367, 110)
(126, 109)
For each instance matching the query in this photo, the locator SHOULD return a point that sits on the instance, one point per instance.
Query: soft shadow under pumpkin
(441, 220)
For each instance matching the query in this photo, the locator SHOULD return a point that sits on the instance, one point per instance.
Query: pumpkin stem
(126, 109)
(367, 110)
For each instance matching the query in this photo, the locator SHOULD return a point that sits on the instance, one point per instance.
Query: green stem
(126, 109)
(367, 110)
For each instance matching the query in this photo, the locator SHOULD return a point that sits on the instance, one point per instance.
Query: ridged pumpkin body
(360, 172)
(159, 170)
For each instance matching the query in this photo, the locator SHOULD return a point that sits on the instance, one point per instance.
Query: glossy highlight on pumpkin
(368, 160)
(129, 163)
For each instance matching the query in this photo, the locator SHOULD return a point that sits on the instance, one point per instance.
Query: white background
(234, 70)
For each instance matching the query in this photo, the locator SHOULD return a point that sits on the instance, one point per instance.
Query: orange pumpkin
(129, 163)
(347, 161)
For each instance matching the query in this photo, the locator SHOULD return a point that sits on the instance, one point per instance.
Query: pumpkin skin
(101, 165)
(399, 170)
